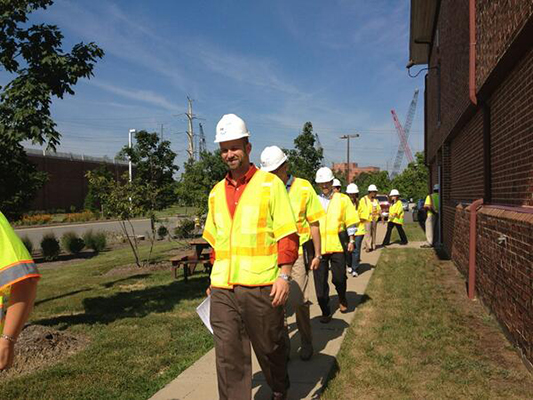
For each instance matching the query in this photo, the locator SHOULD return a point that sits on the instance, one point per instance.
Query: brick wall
(504, 272)
(509, 16)
(512, 136)
(67, 185)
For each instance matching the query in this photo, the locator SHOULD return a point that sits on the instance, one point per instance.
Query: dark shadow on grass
(61, 296)
(441, 253)
(113, 283)
(133, 304)
(84, 255)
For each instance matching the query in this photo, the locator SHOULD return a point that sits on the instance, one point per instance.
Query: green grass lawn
(417, 336)
(174, 211)
(142, 328)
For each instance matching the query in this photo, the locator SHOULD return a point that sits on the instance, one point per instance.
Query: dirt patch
(40, 346)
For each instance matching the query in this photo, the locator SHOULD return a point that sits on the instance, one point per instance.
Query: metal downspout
(472, 56)
(472, 248)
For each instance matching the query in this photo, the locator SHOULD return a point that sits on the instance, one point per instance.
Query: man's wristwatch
(285, 277)
(319, 257)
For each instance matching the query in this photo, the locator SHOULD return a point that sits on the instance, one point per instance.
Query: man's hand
(315, 263)
(208, 291)
(279, 292)
(351, 247)
(7, 353)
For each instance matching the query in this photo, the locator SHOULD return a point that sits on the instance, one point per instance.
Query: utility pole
(132, 132)
(348, 137)
(190, 131)
(201, 141)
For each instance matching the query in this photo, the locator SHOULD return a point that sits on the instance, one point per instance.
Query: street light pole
(347, 137)
(132, 132)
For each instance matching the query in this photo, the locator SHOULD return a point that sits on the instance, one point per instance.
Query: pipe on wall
(472, 248)
(472, 53)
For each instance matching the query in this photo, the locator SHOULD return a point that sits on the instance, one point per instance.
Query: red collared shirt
(288, 246)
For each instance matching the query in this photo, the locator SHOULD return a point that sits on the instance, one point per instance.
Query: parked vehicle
(384, 204)
(405, 204)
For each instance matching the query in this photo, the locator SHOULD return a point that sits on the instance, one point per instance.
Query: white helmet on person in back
(394, 192)
(336, 183)
(352, 189)
(272, 158)
(372, 188)
(324, 175)
(231, 127)
(436, 187)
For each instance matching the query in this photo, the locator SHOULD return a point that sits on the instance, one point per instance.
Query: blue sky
(339, 64)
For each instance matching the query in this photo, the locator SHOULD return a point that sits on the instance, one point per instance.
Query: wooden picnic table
(199, 255)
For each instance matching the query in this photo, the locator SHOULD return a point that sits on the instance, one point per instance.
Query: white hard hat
(336, 182)
(436, 187)
(394, 192)
(324, 175)
(372, 188)
(272, 158)
(231, 127)
(352, 188)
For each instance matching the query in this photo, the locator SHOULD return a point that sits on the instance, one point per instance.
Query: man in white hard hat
(370, 211)
(355, 257)
(432, 221)
(395, 219)
(307, 210)
(340, 216)
(251, 227)
(337, 185)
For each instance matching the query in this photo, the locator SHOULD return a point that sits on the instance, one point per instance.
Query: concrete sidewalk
(199, 382)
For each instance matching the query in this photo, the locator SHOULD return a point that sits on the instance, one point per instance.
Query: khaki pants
(432, 234)
(371, 228)
(239, 317)
(299, 302)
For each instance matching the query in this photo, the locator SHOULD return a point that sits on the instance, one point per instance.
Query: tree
(413, 181)
(305, 159)
(93, 200)
(198, 179)
(380, 179)
(42, 70)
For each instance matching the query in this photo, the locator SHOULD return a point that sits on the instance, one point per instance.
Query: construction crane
(318, 146)
(201, 140)
(403, 134)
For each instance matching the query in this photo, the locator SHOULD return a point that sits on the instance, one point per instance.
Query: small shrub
(36, 219)
(28, 243)
(50, 247)
(162, 232)
(95, 241)
(80, 217)
(72, 243)
(184, 229)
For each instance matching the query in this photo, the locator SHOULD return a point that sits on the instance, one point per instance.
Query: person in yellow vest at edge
(307, 210)
(432, 221)
(355, 257)
(337, 185)
(340, 216)
(370, 211)
(395, 219)
(18, 281)
(251, 227)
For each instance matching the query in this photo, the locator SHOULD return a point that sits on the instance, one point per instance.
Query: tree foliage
(93, 200)
(380, 179)
(198, 179)
(413, 181)
(305, 159)
(41, 70)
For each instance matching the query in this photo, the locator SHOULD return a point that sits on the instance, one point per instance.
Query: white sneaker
(355, 274)
(349, 270)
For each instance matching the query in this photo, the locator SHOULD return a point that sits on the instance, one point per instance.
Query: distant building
(478, 144)
(355, 170)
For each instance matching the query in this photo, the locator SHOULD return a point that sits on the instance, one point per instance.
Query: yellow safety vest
(435, 199)
(366, 209)
(361, 229)
(305, 206)
(396, 213)
(16, 263)
(246, 245)
(339, 215)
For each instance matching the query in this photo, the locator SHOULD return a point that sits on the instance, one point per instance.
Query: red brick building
(479, 144)
(355, 170)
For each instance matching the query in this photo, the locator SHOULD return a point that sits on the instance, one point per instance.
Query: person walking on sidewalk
(307, 210)
(395, 219)
(432, 221)
(355, 259)
(370, 211)
(18, 282)
(251, 227)
(340, 216)
(337, 185)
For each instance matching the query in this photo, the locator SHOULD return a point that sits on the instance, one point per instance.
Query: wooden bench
(190, 261)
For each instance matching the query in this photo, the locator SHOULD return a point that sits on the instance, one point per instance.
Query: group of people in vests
(269, 230)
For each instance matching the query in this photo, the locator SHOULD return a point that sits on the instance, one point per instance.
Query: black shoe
(403, 243)
(326, 318)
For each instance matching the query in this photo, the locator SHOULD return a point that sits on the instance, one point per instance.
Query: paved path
(199, 381)
(35, 234)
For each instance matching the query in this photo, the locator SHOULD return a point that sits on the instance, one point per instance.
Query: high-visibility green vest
(396, 213)
(433, 200)
(246, 251)
(339, 215)
(16, 263)
(305, 206)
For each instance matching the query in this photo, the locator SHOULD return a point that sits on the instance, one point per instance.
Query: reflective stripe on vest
(396, 213)
(299, 195)
(246, 245)
(336, 221)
